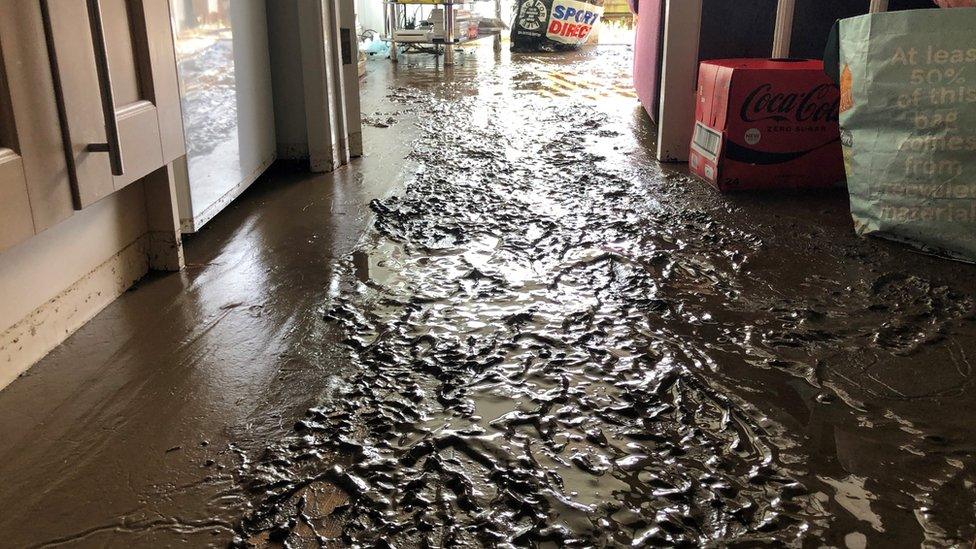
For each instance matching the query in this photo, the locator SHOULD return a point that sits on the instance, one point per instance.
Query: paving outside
(508, 326)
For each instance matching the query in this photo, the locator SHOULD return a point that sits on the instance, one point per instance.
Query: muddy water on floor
(558, 343)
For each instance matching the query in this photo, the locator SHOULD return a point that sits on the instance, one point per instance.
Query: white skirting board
(30, 339)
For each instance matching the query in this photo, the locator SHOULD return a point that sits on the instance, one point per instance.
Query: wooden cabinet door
(16, 223)
(35, 192)
(140, 72)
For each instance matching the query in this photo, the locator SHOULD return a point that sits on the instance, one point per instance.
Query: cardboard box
(766, 124)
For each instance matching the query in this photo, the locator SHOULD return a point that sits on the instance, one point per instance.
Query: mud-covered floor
(534, 335)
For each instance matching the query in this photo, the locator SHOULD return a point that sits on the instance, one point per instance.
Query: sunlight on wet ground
(556, 342)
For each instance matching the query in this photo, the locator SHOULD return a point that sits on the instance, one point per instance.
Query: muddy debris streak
(553, 348)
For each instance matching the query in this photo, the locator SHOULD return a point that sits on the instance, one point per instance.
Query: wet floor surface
(131, 433)
(534, 336)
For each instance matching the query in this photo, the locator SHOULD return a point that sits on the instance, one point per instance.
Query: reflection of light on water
(573, 327)
(853, 496)
(539, 202)
(485, 256)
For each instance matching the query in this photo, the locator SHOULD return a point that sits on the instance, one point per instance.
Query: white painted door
(225, 84)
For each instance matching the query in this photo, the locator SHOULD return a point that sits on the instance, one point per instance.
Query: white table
(395, 12)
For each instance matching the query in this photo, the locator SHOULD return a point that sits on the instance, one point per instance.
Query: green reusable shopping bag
(908, 126)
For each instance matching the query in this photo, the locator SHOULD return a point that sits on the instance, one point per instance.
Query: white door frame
(783, 33)
(679, 73)
(331, 98)
(349, 42)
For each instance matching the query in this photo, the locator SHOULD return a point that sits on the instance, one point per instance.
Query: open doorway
(404, 41)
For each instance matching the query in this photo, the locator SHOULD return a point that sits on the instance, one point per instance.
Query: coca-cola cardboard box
(766, 124)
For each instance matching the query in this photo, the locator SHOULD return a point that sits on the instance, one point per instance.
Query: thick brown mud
(556, 342)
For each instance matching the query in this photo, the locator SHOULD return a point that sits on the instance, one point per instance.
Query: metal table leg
(391, 17)
(498, 16)
(448, 33)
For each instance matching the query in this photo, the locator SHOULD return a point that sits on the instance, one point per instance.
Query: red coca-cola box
(766, 124)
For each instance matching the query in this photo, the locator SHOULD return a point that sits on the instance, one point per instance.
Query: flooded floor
(508, 326)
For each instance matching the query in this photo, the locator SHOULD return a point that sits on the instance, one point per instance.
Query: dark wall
(744, 28)
(813, 21)
(814, 18)
(737, 28)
